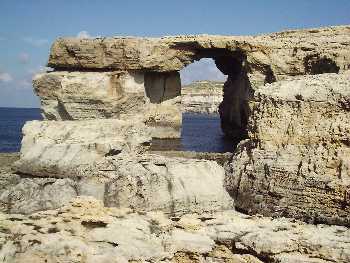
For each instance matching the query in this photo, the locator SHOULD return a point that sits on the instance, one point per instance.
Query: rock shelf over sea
(87, 188)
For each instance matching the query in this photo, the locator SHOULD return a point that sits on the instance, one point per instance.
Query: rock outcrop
(85, 231)
(297, 160)
(106, 159)
(150, 98)
(105, 100)
(275, 55)
(154, 63)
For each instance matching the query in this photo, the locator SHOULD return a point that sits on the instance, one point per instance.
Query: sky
(28, 28)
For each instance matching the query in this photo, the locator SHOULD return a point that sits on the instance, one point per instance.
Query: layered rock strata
(85, 231)
(202, 97)
(106, 159)
(264, 59)
(151, 98)
(107, 98)
(297, 160)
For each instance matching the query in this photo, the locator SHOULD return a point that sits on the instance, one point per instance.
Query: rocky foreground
(86, 231)
(87, 186)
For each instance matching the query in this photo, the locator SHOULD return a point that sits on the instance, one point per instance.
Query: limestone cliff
(287, 98)
(296, 162)
(202, 97)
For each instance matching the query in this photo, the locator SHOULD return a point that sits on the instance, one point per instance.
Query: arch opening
(214, 93)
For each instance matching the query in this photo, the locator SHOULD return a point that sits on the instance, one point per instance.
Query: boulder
(64, 149)
(172, 185)
(106, 159)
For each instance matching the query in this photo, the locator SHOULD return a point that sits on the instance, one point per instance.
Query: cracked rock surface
(86, 231)
(296, 162)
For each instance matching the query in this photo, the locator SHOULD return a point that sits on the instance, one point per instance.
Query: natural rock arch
(248, 61)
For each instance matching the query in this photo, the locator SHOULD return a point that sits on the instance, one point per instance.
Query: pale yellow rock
(297, 161)
(151, 98)
(286, 53)
(86, 231)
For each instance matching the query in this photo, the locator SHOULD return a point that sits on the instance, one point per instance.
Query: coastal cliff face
(296, 162)
(202, 97)
(287, 97)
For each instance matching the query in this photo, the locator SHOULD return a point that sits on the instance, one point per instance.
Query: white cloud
(23, 58)
(5, 77)
(84, 34)
(37, 42)
(38, 70)
(204, 69)
(26, 81)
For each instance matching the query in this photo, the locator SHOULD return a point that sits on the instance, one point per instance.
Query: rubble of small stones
(88, 188)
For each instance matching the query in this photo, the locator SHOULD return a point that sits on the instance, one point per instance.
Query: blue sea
(11, 123)
(200, 132)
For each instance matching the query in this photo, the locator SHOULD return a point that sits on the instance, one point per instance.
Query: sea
(200, 132)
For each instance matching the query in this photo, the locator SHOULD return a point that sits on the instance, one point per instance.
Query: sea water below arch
(200, 132)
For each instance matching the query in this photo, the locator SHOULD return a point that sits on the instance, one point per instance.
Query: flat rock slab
(141, 183)
(285, 53)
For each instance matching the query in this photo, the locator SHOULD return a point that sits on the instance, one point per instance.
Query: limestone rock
(85, 231)
(89, 95)
(152, 98)
(69, 148)
(173, 185)
(297, 161)
(106, 159)
(269, 57)
(26, 195)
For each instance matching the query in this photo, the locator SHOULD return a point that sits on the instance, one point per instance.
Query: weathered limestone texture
(264, 59)
(69, 148)
(88, 188)
(297, 160)
(106, 159)
(294, 52)
(85, 231)
(142, 183)
(153, 98)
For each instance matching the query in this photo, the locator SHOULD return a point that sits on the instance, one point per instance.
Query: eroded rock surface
(150, 98)
(106, 159)
(107, 98)
(295, 52)
(297, 161)
(85, 231)
(248, 61)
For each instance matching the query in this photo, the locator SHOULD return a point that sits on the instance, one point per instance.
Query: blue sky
(28, 27)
